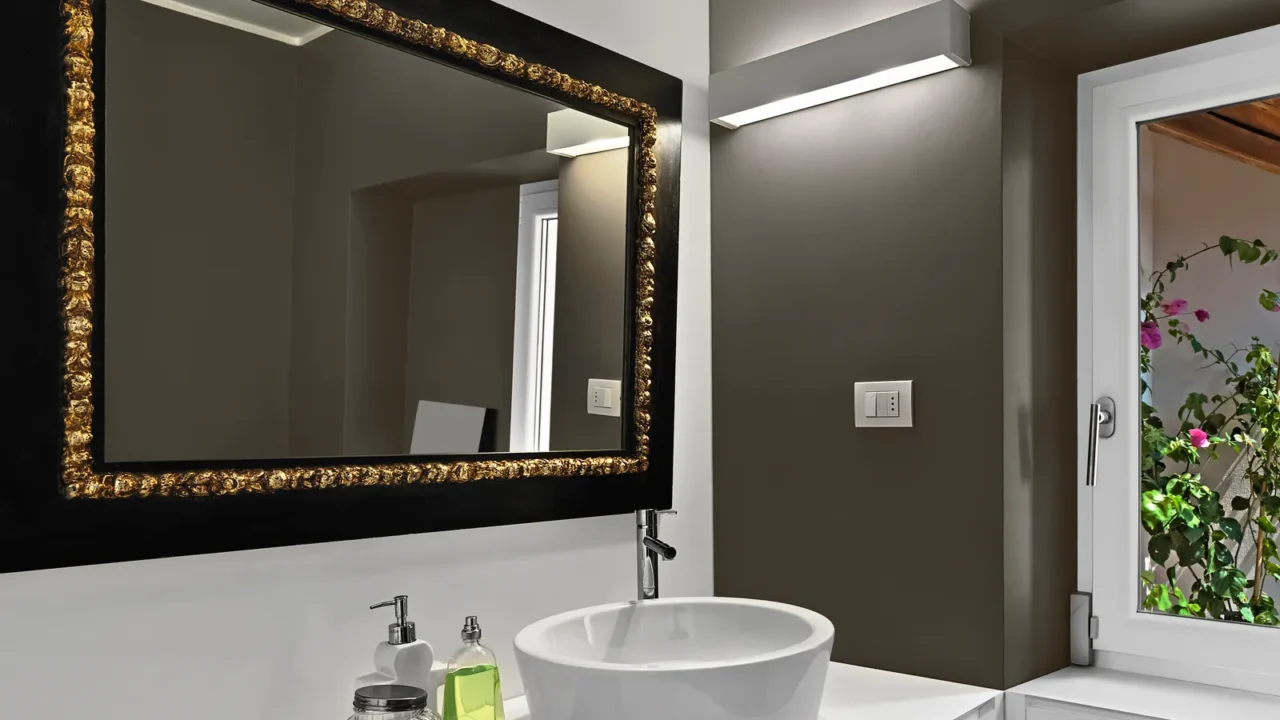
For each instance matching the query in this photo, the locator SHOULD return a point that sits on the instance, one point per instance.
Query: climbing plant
(1188, 522)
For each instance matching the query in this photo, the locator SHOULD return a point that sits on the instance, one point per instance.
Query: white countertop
(1148, 696)
(857, 693)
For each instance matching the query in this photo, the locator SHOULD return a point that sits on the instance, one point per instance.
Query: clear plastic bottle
(473, 689)
(392, 702)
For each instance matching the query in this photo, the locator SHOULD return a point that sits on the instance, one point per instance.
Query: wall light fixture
(904, 47)
(571, 133)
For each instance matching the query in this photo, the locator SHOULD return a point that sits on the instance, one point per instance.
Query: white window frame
(535, 317)
(1111, 104)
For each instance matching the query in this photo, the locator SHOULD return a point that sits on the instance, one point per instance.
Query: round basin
(677, 659)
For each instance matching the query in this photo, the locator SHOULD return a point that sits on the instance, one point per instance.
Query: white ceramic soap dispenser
(403, 659)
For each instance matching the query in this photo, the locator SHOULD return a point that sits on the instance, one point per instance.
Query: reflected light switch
(604, 397)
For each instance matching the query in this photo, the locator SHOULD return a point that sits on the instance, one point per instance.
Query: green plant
(1188, 524)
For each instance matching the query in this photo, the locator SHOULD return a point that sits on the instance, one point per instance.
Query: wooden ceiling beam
(1263, 116)
(1215, 134)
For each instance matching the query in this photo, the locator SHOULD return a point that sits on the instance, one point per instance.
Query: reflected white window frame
(535, 317)
(1112, 105)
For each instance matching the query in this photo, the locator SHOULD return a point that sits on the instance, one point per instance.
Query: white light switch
(886, 403)
(882, 404)
(604, 397)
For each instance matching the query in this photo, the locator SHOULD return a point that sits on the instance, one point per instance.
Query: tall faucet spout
(649, 551)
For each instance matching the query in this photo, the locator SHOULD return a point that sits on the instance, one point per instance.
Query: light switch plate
(604, 397)
(878, 398)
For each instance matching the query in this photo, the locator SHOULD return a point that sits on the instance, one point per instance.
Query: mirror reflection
(319, 245)
(1210, 333)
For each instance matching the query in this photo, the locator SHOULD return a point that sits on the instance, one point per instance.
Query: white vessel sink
(677, 659)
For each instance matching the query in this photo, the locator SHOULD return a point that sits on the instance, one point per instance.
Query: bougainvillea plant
(1190, 527)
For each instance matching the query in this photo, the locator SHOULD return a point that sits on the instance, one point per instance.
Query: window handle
(1102, 424)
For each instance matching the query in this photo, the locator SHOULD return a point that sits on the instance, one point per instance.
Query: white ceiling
(252, 17)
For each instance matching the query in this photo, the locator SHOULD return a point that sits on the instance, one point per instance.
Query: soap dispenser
(403, 659)
(472, 689)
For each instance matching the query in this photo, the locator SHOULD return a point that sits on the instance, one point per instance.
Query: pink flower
(1275, 308)
(1199, 438)
(1175, 307)
(1202, 315)
(1150, 335)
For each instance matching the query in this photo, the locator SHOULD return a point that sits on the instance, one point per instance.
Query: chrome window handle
(1102, 424)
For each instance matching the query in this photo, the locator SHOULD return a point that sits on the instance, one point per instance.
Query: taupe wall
(199, 238)
(591, 281)
(381, 235)
(370, 115)
(319, 288)
(462, 299)
(861, 241)
(926, 232)
(1038, 147)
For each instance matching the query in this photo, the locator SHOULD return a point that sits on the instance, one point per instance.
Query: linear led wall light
(571, 133)
(921, 42)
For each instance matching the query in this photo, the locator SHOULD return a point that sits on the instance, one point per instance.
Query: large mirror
(316, 245)
(298, 271)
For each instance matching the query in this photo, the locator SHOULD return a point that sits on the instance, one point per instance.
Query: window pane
(1209, 185)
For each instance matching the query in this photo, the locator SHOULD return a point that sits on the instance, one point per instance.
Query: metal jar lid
(390, 698)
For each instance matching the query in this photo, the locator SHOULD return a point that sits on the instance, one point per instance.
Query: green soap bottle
(472, 689)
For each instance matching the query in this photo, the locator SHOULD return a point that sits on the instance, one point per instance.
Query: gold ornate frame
(80, 479)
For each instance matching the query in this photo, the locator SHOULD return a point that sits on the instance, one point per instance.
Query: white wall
(281, 633)
(1198, 196)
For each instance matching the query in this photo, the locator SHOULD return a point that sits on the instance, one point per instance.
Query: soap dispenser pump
(402, 631)
(403, 659)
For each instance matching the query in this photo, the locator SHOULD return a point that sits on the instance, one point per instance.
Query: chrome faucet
(648, 550)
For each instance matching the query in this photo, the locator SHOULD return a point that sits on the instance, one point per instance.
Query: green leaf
(1149, 577)
(1232, 528)
(1191, 555)
(1159, 548)
(1246, 612)
(1248, 253)
(1267, 526)
(1268, 299)
(1227, 244)
(1193, 534)
(1159, 599)
(1239, 502)
(1158, 509)
(1189, 516)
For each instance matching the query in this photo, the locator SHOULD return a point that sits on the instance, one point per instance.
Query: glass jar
(392, 702)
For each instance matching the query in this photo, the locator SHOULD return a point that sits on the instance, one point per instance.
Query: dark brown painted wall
(198, 233)
(861, 241)
(361, 128)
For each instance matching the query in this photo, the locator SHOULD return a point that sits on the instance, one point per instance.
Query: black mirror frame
(61, 505)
